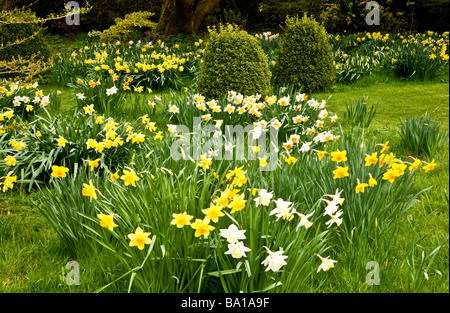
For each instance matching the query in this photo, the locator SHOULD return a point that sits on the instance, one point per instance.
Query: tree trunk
(184, 16)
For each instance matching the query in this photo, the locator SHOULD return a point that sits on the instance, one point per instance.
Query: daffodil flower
(181, 219)
(304, 220)
(264, 198)
(335, 219)
(326, 264)
(59, 171)
(202, 227)
(232, 234)
(139, 239)
(237, 250)
(275, 260)
(129, 177)
(107, 221)
(214, 212)
(89, 190)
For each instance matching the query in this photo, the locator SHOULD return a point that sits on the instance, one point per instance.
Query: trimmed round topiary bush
(233, 60)
(305, 57)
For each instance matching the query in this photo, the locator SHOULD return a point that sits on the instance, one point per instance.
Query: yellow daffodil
(399, 168)
(372, 181)
(10, 161)
(431, 166)
(139, 239)
(205, 162)
(415, 165)
(339, 156)
(9, 181)
(202, 227)
(340, 172)
(61, 141)
(290, 160)
(384, 147)
(181, 219)
(360, 187)
(115, 176)
(214, 212)
(107, 221)
(89, 190)
(59, 171)
(371, 159)
(390, 175)
(129, 177)
(89, 109)
(321, 154)
(94, 164)
(238, 203)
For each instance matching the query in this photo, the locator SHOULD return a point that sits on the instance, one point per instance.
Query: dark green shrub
(305, 56)
(21, 26)
(233, 60)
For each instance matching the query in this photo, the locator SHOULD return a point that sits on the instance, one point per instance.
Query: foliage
(333, 192)
(23, 50)
(422, 136)
(407, 56)
(69, 141)
(357, 114)
(148, 64)
(305, 58)
(233, 60)
(133, 22)
(419, 61)
(226, 12)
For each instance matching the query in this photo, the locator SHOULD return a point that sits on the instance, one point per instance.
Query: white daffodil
(275, 260)
(326, 264)
(335, 219)
(264, 197)
(237, 250)
(256, 132)
(304, 220)
(336, 197)
(111, 91)
(80, 96)
(283, 210)
(232, 234)
(306, 147)
(229, 147)
(333, 205)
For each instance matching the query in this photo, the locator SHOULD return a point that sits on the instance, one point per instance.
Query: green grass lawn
(32, 259)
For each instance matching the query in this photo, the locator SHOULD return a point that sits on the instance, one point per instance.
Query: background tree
(184, 16)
